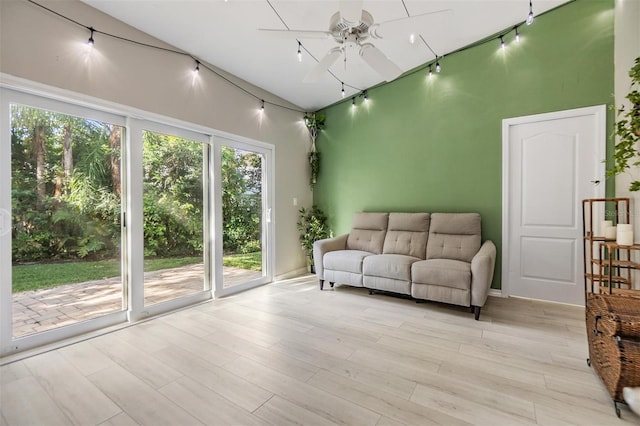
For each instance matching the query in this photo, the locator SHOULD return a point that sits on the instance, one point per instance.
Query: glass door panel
(66, 209)
(174, 216)
(243, 204)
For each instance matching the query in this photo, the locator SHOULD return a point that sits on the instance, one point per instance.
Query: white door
(551, 162)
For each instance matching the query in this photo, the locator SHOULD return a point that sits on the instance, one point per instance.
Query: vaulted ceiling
(228, 34)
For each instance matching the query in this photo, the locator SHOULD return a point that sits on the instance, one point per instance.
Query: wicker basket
(613, 331)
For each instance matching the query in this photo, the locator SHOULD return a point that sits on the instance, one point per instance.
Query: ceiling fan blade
(351, 10)
(427, 23)
(294, 34)
(379, 62)
(322, 66)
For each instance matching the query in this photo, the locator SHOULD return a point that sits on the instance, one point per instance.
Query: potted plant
(627, 129)
(314, 122)
(312, 224)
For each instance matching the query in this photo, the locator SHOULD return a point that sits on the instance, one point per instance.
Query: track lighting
(365, 97)
(530, 15)
(412, 38)
(90, 42)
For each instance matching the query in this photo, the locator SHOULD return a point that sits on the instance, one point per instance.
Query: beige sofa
(438, 257)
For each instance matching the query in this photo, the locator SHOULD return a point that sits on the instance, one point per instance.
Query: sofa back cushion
(407, 234)
(367, 232)
(454, 236)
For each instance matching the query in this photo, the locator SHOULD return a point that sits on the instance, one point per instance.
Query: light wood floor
(287, 353)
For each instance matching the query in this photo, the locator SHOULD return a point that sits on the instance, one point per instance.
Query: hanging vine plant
(314, 122)
(626, 153)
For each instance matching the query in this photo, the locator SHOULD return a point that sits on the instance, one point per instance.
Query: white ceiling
(226, 34)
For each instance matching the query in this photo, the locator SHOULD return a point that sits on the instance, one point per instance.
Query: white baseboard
(292, 274)
(494, 292)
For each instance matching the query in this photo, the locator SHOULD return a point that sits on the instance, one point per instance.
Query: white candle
(610, 233)
(625, 238)
(603, 227)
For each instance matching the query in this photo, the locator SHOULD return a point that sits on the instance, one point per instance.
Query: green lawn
(45, 275)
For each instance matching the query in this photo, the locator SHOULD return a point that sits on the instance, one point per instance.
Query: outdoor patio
(41, 310)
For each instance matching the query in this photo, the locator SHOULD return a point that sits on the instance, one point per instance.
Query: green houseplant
(314, 122)
(627, 129)
(312, 224)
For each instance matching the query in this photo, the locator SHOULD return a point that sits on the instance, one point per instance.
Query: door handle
(596, 182)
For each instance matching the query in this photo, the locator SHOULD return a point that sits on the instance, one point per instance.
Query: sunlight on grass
(250, 261)
(44, 275)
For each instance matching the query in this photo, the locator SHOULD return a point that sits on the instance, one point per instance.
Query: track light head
(90, 42)
(530, 15)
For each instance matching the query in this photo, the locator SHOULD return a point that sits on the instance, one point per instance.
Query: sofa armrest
(482, 267)
(321, 247)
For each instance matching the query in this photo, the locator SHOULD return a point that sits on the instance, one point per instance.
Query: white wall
(41, 47)
(627, 49)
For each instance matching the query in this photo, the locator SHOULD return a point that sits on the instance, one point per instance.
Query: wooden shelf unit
(611, 269)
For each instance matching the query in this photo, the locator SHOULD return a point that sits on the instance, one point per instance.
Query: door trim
(599, 114)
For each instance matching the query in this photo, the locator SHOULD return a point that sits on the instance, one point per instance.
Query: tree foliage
(241, 201)
(66, 191)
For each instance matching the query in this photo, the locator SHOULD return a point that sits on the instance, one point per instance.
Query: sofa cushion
(407, 234)
(345, 260)
(454, 236)
(368, 231)
(396, 266)
(442, 272)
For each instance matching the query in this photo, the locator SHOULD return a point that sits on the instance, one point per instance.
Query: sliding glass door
(64, 222)
(108, 219)
(175, 216)
(245, 215)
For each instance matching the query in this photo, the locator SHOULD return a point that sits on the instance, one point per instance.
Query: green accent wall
(435, 145)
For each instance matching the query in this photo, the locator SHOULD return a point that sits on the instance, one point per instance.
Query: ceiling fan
(352, 27)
